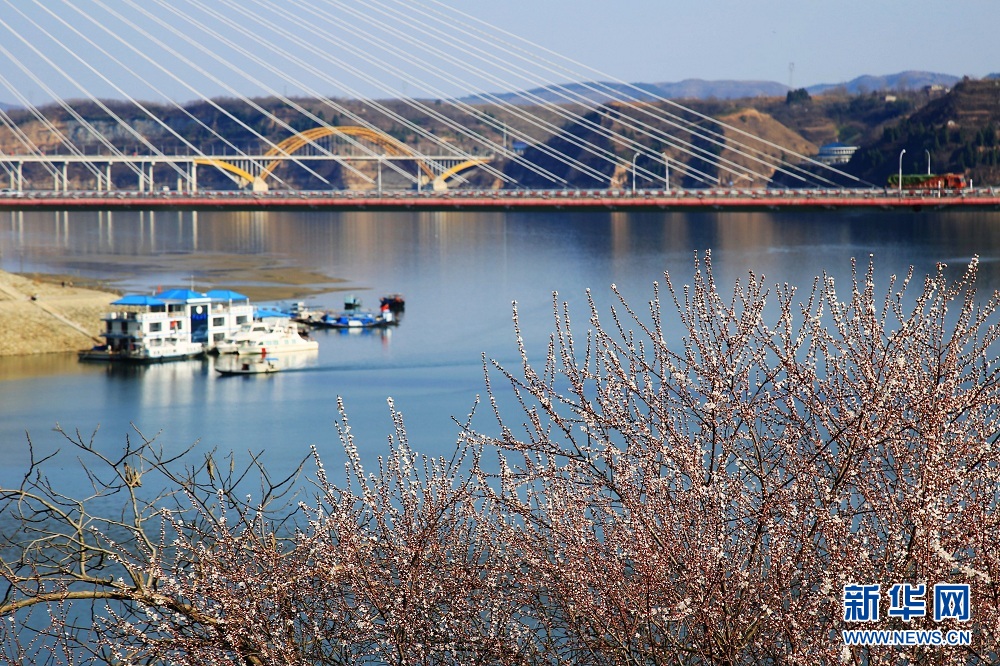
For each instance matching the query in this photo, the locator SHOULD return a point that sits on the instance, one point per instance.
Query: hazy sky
(829, 41)
(634, 40)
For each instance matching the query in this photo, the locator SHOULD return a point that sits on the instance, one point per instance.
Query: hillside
(957, 132)
(910, 81)
(771, 132)
(601, 92)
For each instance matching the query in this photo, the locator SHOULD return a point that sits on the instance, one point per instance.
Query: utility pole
(901, 153)
(634, 159)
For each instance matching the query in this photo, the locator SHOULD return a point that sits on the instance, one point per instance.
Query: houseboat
(170, 325)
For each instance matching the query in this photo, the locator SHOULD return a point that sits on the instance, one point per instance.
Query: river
(459, 273)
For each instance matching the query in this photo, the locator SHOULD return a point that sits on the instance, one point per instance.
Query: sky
(828, 41)
(44, 49)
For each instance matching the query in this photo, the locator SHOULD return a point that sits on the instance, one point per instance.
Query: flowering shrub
(704, 502)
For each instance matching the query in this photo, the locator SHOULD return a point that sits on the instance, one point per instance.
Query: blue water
(459, 273)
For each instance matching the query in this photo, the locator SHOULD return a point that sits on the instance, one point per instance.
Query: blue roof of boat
(260, 313)
(226, 295)
(138, 299)
(181, 295)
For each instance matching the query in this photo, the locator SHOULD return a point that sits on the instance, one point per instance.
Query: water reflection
(14, 368)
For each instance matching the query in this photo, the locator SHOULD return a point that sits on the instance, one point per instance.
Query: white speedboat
(280, 339)
(248, 331)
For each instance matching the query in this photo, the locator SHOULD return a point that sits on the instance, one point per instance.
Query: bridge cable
(153, 116)
(243, 98)
(141, 106)
(202, 71)
(540, 102)
(298, 107)
(49, 125)
(248, 54)
(104, 107)
(466, 108)
(535, 58)
(373, 103)
(409, 124)
(102, 25)
(19, 134)
(643, 128)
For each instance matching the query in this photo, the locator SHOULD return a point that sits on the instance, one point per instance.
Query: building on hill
(835, 153)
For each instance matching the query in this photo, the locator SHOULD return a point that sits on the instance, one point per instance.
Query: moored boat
(247, 332)
(357, 320)
(352, 317)
(280, 339)
(169, 325)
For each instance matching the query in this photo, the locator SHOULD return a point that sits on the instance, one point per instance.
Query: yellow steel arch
(258, 183)
(440, 183)
(293, 143)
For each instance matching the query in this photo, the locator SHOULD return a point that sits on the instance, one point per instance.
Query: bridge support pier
(59, 179)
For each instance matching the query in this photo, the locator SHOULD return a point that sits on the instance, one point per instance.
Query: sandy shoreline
(40, 316)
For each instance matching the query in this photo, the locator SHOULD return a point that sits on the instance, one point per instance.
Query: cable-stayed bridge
(346, 100)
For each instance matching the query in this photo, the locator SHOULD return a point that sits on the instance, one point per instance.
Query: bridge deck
(687, 200)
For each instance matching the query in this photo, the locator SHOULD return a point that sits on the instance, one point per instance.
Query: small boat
(354, 320)
(246, 366)
(353, 317)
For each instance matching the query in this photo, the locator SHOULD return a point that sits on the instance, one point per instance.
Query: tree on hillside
(799, 96)
(706, 502)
